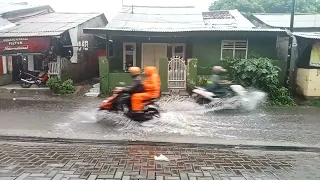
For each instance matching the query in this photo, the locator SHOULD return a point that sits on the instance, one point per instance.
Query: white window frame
(124, 53)
(179, 44)
(234, 48)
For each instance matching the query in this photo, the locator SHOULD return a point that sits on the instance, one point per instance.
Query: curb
(26, 91)
(153, 143)
(39, 98)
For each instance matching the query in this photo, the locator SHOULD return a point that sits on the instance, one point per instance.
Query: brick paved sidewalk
(52, 161)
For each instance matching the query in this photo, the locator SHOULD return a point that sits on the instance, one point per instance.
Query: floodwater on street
(181, 120)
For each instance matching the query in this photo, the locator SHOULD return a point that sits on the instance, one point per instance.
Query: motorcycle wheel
(25, 84)
(153, 112)
(202, 101)
(125, 108)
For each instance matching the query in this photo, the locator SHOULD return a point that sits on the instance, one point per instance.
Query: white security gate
(177, 73)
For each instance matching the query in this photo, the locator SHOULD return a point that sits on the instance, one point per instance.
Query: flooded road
(181, 120)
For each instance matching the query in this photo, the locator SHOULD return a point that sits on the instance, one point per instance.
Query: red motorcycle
(27, 79)
(122, 102)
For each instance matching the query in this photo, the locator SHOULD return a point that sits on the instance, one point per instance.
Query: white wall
(4, 64)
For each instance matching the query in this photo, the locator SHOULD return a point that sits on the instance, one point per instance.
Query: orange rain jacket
(151, 86)
(152, 83)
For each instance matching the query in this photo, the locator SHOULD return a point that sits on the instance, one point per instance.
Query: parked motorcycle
(122, 102)
(27, 79)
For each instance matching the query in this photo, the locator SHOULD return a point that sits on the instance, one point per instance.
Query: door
(147, 55)
(151, 53)
(17, 65)
(160, 51)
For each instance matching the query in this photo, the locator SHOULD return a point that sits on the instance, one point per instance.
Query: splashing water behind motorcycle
(245, 99)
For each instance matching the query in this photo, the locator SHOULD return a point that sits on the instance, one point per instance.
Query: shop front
(25, 53)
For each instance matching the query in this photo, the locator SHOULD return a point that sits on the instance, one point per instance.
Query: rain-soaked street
(181, 121)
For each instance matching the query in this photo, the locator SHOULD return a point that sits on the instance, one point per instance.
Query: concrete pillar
(104, 74)
(30, 63)
(163, 72)
(4, 65)
(192, 73)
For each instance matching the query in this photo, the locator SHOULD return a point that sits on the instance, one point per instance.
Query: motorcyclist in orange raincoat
(151, 86)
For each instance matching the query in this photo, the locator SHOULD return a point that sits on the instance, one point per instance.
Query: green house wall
(116, 61)
(208, 51)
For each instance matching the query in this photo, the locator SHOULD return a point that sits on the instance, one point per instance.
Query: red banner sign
(24, 45)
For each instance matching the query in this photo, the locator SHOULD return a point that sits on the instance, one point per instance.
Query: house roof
(51, 24)
(87, 30)
(6, 7)
(4, 24)
(226, 19)
(156, 18)
(283, 20)
(308, 35)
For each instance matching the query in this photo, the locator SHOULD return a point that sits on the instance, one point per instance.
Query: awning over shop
(24, 45)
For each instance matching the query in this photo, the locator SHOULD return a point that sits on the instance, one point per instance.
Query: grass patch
(312, 102)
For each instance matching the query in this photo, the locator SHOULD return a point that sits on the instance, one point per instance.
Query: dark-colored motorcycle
(27, 79)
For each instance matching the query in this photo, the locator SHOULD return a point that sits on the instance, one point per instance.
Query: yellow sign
(315, 55)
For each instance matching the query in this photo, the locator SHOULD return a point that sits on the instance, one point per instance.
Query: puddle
(179, 115)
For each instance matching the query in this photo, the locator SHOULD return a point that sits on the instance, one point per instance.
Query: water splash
(255, 99)
(177, 103)
(249, 102)
(179, 115)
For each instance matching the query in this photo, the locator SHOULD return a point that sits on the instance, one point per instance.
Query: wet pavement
(46, 161)
(181, 121)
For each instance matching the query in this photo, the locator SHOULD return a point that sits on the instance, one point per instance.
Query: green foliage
(202, 80)
(262, 6)
(256, 72)
(313, 102)
(280, 97)
(61, 87)
(260, 73)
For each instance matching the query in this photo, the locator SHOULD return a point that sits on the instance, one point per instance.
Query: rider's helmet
(218, 69)
(134, 71)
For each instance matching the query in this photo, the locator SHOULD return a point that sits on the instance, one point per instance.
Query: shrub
(202, 80)
(312, 102)
(280, 97)
(262, 74)
(61, 87)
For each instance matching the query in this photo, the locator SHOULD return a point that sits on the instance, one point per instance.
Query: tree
(266, 6)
